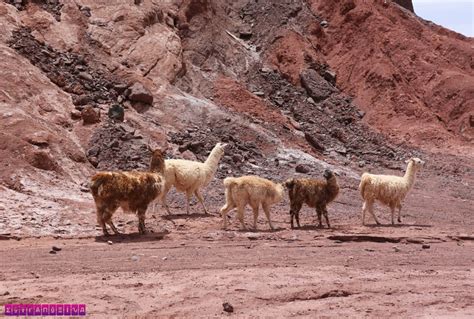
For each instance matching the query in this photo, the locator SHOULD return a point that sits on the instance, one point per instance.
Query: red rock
(90, 115)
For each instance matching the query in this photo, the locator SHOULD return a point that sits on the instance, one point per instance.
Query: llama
(251, 190)
(190, 176)
(315, 193)
(133, 191)
(388, 189)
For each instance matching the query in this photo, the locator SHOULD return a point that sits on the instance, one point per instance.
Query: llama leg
(295, 212)
(371, 211)
(111, 224)
(224, 211)
(240, 215)
(325, 212)
(319, 212)
(141, 220)
(399, 213)
(266, 209)
(364, 208)
(106, 218)
(188, 199)
(255, 216)
(392, 213)
(201, 200)
(163, 200)
(101, 222)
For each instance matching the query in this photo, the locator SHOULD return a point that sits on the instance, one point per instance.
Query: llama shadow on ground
(188, 216)
(260, 230)
(314, 227)
(132, 237)
(397, 225)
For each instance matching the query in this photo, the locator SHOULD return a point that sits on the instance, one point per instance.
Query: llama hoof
(399, 220)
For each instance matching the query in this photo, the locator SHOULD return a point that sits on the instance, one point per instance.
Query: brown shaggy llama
(314, 192)
(133, 191)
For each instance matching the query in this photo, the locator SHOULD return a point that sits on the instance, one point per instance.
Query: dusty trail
(299, 273)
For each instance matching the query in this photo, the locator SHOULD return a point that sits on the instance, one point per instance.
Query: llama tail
(363, 184)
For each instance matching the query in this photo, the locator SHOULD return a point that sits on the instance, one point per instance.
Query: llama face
(328, 174)
(220, 147)
(416, 161)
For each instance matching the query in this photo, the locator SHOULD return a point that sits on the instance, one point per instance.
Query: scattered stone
(228, 307)
(295, 124)
(52, 252)
(396, 249)
(302, 168)
(361, 114)
(237, 158)
(86, 76)
(314, 143)
(6, 293)
(245, 32)
(425, 246)
(55, 248)
(316, 86)
(81, 100)
(76, 115)
(120, 87)
(135, 258)
(90, 115)
(110, 242)
(362, 164)
(330, 76)
(266, 70)
(259, 93)
(138, 93)
(116, 112)
(324, 24)
(164, 258)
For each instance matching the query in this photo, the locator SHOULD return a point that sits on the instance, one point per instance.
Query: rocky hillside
(289, 85)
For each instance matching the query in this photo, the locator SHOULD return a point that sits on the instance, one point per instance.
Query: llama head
(157, 159)
(328, 174)
(418, 163)
(289, 183)
(219, 148)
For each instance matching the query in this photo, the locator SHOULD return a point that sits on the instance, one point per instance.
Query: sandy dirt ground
(283, 274)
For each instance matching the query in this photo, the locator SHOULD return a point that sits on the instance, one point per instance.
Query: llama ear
(407, 161)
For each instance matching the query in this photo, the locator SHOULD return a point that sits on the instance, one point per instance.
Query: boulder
(316, 86)
(301, 168)
(90, 115)
(139, 93)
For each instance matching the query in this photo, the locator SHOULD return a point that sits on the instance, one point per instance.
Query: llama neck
(332, 186)
(213, 159)
(157, 166)
(410, 175)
